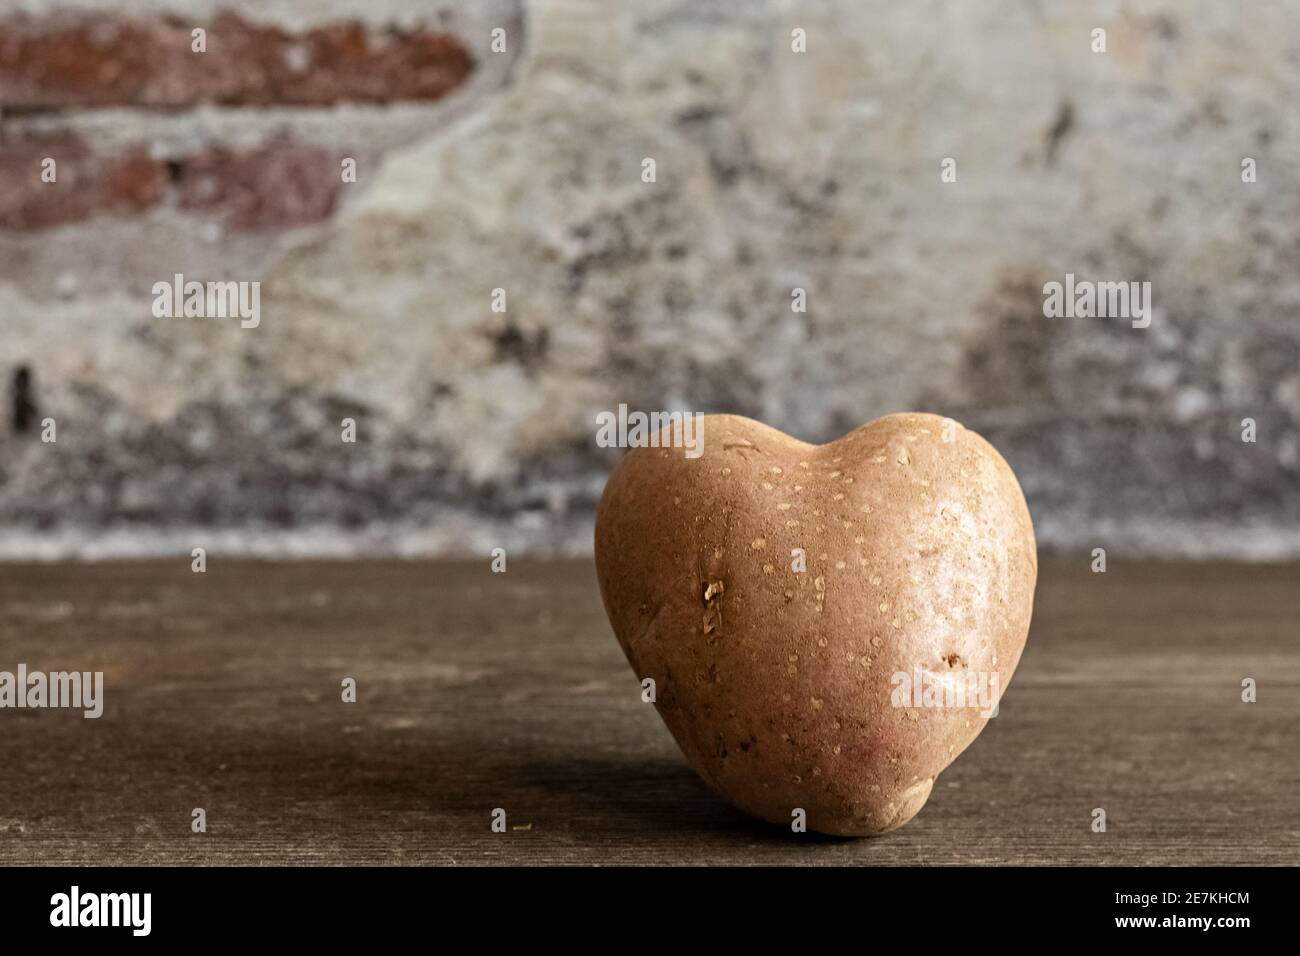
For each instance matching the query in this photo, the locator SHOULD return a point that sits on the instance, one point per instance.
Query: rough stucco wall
(774, 170)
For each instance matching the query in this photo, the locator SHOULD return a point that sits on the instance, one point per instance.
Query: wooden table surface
(480, 690)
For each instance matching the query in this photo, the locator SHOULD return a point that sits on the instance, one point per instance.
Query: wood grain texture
(481, 690)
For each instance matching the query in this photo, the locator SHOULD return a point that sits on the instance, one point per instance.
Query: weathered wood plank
(480, 691)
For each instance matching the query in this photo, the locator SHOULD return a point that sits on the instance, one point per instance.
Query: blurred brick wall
(521, 170)
(215, 165)
(249, 134)
(56, 67)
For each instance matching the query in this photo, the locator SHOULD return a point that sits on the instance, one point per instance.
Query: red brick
(86, 184)
(67, 61)
(274, 187)
(134, 182)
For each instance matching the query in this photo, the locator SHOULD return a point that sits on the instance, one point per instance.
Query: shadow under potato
(608, 796)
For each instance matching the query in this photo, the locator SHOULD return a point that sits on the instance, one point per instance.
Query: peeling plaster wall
(775, 170)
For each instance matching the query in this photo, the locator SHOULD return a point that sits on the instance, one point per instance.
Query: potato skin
(777, 685)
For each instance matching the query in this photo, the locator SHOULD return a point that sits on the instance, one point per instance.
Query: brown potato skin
(778, 688)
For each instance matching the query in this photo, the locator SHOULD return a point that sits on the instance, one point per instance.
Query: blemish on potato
(758, 544)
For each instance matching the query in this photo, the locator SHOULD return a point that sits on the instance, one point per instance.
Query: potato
(827, 684)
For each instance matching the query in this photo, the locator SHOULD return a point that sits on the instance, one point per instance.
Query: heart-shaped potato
(812, 615)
